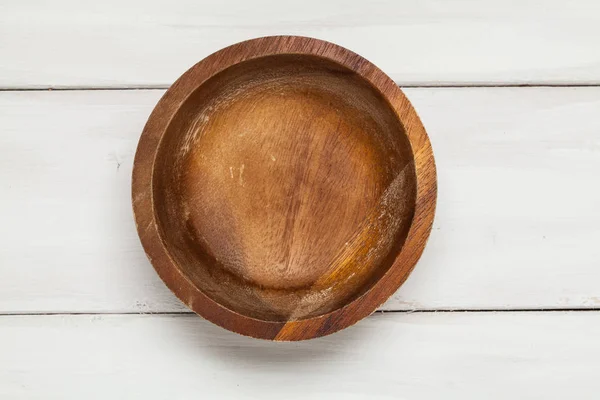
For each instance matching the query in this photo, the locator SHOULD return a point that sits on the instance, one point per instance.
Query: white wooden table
(505, 302)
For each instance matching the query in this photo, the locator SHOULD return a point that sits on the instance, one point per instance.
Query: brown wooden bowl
(284, 188)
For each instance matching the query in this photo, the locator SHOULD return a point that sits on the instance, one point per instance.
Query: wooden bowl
(284, 188)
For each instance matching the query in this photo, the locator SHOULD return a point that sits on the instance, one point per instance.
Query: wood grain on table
(139, 43)
(537, 355)
(516, 225)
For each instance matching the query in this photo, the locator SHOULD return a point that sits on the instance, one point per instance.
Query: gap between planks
(409, 86)
(186, 313)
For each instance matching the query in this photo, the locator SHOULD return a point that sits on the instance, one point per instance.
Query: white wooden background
(505, 302)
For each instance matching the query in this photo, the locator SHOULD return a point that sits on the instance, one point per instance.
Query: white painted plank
(116, 43)
(68, 241)
(517, 223)
(390, 356)
(518, 217)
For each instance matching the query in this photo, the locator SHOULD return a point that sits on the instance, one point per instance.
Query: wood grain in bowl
(283, 188)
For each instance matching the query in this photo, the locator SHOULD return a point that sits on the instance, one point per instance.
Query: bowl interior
(284, 187)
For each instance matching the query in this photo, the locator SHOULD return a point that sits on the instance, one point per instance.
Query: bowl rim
(148, 228)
